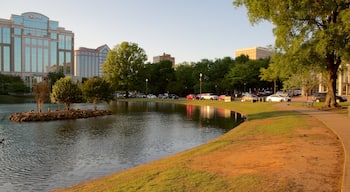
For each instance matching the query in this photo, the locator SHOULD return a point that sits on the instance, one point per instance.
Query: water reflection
(40, 156)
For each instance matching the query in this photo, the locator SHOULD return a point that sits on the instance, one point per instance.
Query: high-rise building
(164, 57)
(88, 62)
(31, 45)
(254, 53)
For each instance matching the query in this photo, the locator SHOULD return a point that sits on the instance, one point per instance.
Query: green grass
(173, 173)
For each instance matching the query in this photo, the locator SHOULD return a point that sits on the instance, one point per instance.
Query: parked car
(191, 97)
(173, 96)
(321, 97)
(278, 98)
(249, 97)
(208, 96)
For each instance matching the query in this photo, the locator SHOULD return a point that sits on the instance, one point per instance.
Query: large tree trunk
(332, 75)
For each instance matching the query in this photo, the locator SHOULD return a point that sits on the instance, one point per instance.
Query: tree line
(126, 69)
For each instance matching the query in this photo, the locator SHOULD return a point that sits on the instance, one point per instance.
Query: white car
(208, 96)
(278, 98)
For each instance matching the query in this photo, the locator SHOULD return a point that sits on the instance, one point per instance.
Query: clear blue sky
(189, 30)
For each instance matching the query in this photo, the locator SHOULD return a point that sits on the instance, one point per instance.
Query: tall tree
(308, 32)
(66, 91)
(123, 64)
(96, 89)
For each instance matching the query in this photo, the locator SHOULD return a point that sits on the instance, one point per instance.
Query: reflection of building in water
(207, 112)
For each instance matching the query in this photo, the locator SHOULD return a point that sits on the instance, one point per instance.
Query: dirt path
(340, 125)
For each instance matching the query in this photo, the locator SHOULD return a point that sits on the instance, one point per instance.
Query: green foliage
(96, 89)
(307, 33)
(161, 75)
(54, 76)
(123, 65)
(184, 82)
(246, 75)
(66, 91)
(12, 84)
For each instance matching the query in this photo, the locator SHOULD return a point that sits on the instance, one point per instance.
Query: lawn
(274, 150)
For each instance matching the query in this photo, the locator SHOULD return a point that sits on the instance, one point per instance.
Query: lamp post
(146, 86)
(200, 85)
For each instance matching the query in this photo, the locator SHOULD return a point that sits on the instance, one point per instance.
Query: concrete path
(340, 124)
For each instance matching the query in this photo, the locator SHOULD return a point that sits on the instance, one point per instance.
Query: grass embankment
(233, 162)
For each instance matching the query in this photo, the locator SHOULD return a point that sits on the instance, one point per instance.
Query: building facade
(88, 62)
(164, 57)
(254, 53)
(31, 45)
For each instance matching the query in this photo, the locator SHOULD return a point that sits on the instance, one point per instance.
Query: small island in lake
(57, 115)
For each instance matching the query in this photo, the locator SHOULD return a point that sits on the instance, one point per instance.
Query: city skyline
(187, 30)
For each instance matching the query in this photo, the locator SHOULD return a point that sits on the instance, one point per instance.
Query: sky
(189, 30)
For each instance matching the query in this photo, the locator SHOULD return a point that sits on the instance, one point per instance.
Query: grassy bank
(214, 166)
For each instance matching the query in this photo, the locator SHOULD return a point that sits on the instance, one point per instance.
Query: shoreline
(56, 115)
(257, 153)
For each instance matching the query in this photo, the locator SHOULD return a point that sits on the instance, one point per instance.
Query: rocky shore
(57, 115)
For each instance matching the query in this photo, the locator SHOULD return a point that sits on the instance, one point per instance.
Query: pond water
(40, 156)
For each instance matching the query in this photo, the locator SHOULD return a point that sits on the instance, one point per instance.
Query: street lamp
(200, 84)
(146, 86)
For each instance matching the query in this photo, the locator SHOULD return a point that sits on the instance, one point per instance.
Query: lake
(40, 156)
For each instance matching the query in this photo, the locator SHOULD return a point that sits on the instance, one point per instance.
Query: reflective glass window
(53, 54)
(40, 60)
(68, 42)
(46, 43)
(34, 60)
(53, 35)
(68, 63)
(27, 59)
(17, 54)
(18, 31)
(34, 41)
(0, 35)
(6, 35)
(40, 42)
(46, 60)
(27, 41)
(16, 19)
(6, 56)
(61, 41)
(53, 25)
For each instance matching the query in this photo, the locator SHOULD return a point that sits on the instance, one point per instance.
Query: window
(6, 35)
(27, 59)
(53, 54)
(40, 60)
(34, 60)
(6, 58)
(61, 41)
(17, 54)
(18, 31)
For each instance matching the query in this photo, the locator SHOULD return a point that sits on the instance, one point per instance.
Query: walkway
(340, 124)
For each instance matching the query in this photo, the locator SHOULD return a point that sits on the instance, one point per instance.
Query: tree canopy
(307, 33)
(96, 89)
(123, 65)
(66, 91)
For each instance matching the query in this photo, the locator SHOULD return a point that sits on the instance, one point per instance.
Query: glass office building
(31, 45)
(88, 62)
